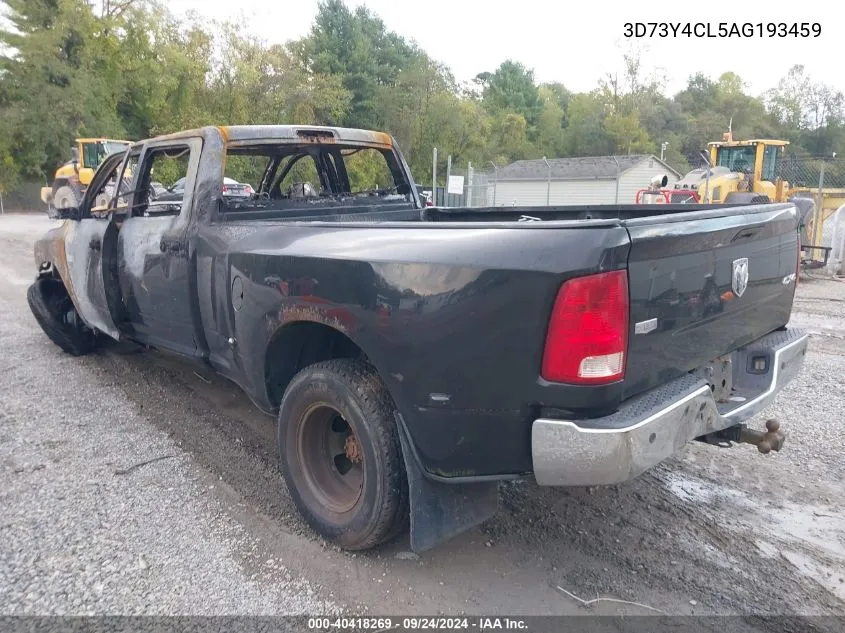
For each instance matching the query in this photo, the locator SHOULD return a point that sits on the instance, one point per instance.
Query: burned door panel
(154, 269)
(87, 265)
(84, 253)
(154, 283)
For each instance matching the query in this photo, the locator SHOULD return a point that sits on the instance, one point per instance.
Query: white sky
(573, 42)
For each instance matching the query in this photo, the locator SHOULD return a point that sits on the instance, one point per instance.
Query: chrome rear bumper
(651, 427)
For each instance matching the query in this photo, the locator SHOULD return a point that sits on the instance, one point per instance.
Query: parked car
(414, 356)
(231, 188)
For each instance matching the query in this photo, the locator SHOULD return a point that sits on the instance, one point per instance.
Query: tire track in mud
(623, 541)
(649, 537)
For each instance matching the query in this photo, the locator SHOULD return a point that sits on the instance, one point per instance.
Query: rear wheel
(53, 309)
(340, 454)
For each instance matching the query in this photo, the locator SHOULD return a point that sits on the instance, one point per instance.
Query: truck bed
(471, 292)
(401, 211)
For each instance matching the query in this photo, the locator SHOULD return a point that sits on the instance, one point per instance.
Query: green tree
(627, 135)
(550, 124)
(357, 47)
(585, 133)
(511, 88)
(163, 68)
(130, 68)
(58, 76)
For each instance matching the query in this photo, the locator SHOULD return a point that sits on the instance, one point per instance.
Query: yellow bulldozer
(747, 172)
(72, 178)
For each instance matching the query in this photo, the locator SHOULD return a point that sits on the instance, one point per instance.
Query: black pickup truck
(414, 356)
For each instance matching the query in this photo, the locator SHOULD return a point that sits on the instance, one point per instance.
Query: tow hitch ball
(766, 441)
(771, 440)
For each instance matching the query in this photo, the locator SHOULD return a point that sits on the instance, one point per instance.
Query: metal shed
(579, 180)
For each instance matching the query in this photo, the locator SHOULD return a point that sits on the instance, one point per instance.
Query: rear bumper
(651, 427)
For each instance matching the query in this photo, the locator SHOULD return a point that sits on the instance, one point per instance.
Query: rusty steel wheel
(340, 456)
(331, 458)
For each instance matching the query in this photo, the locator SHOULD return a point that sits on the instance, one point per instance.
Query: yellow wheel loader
(72, 178)
(747, 172)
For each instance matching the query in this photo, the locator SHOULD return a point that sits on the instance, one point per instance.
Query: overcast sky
(574, 48)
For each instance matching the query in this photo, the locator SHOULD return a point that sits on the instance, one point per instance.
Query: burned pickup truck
(414, 356)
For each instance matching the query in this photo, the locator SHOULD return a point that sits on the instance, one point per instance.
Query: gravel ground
(86, 528)
(210, 528)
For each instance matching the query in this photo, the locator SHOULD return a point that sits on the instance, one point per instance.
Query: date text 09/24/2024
(722, 29)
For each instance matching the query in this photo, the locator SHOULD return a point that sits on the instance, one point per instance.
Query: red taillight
(225, 188)
(248, 189)
(587, 340)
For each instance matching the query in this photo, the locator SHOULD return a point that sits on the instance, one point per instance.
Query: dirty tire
(352, 390)
(65, 198)
(52, 308)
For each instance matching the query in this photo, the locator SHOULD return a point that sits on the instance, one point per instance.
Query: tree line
(132, 69)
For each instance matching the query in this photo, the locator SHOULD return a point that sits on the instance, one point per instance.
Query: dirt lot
(209, 528)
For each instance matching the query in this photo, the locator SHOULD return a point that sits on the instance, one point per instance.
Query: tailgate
(703, 284)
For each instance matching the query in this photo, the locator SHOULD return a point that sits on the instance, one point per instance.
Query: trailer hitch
(771, 439)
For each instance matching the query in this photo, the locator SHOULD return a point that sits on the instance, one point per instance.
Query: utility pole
(434, 177)
(448, 175)
(548, 180)
(663, 147)
(468, 195)
(818, 213)
(495, 180)
(618, 175)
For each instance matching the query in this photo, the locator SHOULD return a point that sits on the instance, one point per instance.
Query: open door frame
(91, 251)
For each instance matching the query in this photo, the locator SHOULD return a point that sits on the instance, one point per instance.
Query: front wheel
(340, 455)
(65, 198)
(54, 311)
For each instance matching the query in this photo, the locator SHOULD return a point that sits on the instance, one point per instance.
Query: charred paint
(317, 138)
(336, 318)
(383, 139)
(51, 249)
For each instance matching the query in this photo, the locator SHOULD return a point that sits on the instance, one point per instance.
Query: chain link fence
(821, 180)
(477, 188)
(807, 172)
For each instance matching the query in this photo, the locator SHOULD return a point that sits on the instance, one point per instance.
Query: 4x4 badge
(739, 276)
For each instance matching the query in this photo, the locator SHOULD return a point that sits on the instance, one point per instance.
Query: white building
(584, 180)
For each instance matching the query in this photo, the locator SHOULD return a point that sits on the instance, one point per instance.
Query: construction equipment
(72, 178)
(747, 172)
(738, 171)
(658, 194)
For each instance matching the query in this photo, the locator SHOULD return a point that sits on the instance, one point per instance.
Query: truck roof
(287, 133)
